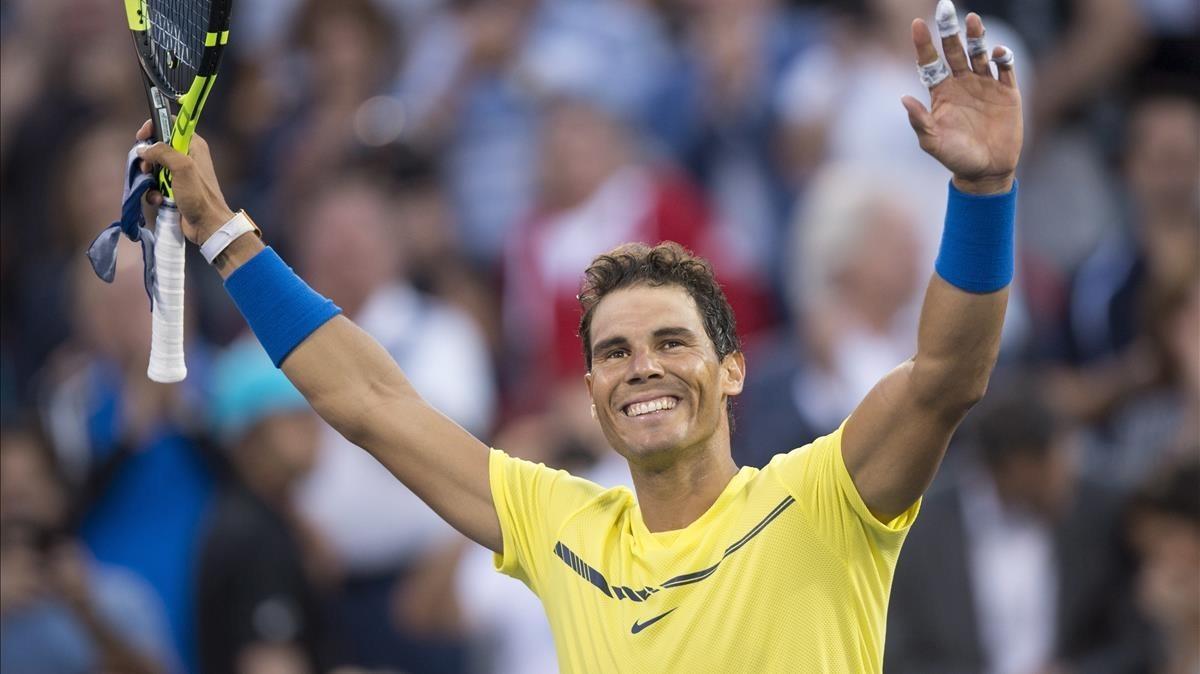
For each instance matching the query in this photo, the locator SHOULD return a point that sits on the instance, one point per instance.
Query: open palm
(973, 126)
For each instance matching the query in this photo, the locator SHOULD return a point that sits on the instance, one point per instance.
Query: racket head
(179, 45)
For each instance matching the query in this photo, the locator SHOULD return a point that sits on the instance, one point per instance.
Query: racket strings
(177, 32)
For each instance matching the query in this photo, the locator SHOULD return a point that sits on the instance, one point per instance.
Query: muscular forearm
(958, 338)
(344, 372)
(339, 368)
(354, 385)
(957, 345)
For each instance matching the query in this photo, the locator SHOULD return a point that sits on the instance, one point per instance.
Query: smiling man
(711, 567)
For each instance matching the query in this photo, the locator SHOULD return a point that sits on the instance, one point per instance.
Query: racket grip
(166, 335)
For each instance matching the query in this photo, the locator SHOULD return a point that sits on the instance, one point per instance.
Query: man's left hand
(973, 126)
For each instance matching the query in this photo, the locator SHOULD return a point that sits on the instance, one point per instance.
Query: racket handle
(166, 335)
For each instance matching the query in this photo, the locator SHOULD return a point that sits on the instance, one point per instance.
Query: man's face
(657, 384)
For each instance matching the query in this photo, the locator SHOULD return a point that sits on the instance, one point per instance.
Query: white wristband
(238, 225)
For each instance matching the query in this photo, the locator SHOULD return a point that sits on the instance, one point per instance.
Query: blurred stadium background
(444, 170)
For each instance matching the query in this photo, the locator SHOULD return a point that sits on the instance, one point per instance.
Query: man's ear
(733, 373)
(587, 379)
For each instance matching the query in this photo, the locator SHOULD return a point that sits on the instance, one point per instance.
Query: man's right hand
(193, 181)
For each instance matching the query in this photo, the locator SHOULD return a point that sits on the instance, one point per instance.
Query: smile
(650, 406)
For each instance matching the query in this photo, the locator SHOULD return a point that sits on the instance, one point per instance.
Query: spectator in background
(1164, 526)
(37, 280)
(837, 103)
(347, 54)
(58, 77)
(1134, 318)
(60, 610)
(1016, 566)
(128, 444)
(854, 267)
(461, 96)
(376, 526)
(716, 112)
(1141, 422)
(57, 69)
(597, 190)
(259, 608)
(432, 246)
(473, 87)
(1159, 249)
(1062, 36)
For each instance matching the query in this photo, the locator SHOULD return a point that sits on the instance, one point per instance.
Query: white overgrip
(166, 336)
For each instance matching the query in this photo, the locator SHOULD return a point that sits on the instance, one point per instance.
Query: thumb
(164, 155)
(918, 116)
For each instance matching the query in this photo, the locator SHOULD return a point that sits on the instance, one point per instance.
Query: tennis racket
(179, 44)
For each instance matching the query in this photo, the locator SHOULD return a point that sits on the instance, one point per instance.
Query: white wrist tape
(238, 225)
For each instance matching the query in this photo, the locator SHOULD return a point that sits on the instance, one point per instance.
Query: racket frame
(174, 115)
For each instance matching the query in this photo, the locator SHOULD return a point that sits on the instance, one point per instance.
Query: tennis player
(711, 568)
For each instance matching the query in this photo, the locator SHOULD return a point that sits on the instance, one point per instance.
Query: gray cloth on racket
(103, 251)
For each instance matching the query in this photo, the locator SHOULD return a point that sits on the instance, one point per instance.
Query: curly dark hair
(668, 263)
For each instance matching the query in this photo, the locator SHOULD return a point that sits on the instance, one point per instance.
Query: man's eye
(615, 353)
(672, 343)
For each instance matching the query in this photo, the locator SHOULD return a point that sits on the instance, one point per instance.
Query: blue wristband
(279, 306)
(976, 254)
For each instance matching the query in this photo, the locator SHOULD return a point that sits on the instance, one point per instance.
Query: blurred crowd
(444, 170)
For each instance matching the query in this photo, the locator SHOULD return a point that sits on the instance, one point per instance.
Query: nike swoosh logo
(638, 627)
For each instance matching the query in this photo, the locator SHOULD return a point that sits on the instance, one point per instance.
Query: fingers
(930, 66)
(146, 131)
(977, 45)
(946, 18)
(1003, 58)
(198, 150)
(923, 42)
(165, 155)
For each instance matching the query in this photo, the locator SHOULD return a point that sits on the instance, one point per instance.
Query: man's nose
(643, 365)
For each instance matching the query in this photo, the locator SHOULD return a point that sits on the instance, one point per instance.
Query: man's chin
(656, 451)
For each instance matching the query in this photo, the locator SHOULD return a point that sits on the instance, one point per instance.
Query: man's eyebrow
(606, 344)
(674, 332)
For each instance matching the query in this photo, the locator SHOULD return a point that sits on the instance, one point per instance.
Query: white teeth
(638, 409)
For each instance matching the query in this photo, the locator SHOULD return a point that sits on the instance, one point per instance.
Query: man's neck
(673, 498)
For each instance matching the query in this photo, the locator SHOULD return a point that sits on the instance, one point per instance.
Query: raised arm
(347, 377)
(894, 441)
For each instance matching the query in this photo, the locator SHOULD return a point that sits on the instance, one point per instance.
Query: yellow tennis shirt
(788, 571)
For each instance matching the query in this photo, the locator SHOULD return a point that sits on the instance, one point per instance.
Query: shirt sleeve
(532, 503)
(817, 477)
